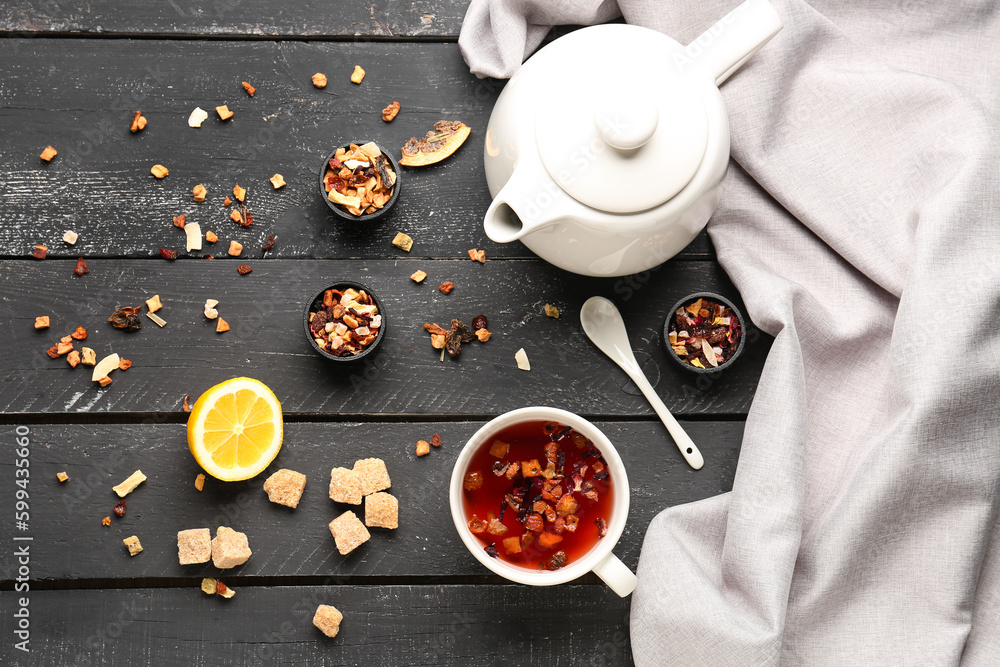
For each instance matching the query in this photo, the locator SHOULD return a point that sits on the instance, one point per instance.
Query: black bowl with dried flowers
(704, 332)
(369, 170)
(344, 321)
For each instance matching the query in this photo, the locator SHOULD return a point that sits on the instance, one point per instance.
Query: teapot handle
(724, 47)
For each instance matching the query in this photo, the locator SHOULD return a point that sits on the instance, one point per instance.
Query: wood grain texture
(381, 19)
(474, 626)
(70, 542)
(405, 376)
(79, 96)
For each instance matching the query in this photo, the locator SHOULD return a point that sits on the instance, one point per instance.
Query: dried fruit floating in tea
(345, 322)
(441, 142)
(544, 489)
(359, 179)
(704, 333)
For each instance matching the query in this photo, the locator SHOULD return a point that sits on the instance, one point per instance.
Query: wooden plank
(79, 96)
(70, 543)
(380, 19)
(474, 626)
(404, 377)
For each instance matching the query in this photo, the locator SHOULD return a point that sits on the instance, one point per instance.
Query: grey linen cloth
(861, 223)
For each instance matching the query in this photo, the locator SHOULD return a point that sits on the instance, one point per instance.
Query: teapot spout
(723, 48)
(528, 202)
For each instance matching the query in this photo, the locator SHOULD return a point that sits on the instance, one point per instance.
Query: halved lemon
(235, 429)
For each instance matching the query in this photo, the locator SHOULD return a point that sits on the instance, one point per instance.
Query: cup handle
(616, 575)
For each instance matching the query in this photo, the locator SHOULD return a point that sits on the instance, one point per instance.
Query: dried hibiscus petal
(168, 254)
(81, 267)
(119, 509)
(491, 550)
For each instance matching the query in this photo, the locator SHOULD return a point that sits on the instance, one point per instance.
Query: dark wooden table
(71, 75)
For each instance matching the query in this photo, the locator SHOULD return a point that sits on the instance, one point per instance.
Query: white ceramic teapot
(606, 151)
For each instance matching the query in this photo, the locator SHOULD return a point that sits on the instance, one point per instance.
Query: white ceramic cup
(599, 559)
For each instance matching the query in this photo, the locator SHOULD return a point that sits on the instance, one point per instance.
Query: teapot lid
(623, 131)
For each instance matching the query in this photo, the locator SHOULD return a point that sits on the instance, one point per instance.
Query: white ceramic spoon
(603, 324)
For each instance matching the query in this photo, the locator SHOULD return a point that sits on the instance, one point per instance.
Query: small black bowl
(364, 217)
(718, 298)
(317, 301)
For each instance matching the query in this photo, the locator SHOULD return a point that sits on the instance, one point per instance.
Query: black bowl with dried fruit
(345, 321)
(704, 332)
(359, 181)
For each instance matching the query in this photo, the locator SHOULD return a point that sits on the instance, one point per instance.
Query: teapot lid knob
(626, 125)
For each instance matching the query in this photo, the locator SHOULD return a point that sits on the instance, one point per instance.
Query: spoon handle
(684, 442)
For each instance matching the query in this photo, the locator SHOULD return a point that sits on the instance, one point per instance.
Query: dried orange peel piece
(438, 144)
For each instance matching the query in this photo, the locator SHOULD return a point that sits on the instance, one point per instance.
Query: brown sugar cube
(61, 476)
(42, 322)
(382, 510)
(348, 532)
(133, 545)
(423, 448)
(373, 475)
(229, 548)
(224, 112)
(194, 546)
(49, 153)
(285, 487)
(328, 619)
(345, 486)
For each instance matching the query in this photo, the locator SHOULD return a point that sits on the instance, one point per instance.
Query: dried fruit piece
(224, 112)
(81, 267)
(270, 244)
(138, 122)
(159, 171)
(129, 485)
(119, 508)
(61, 476)
(42, 322)
(250, 89)
(197, 117)
(235, 216)
(221, 326)
(439, 143)
(239, 193)
(402, 241)
(159, 321)
(243, 269)
(446, 287)
(70, 237)
(227, 201)
(551, 311)
(104, 381)
(423, 448)
(88, 357)
(278, 181)
(224, 591)
(436, 440)
(209, 586)
(62, 347)
(390, 112)
(319, 80)
(168, 254)
(179, 221)
(477, 255)
(193, 232)
(40, 252)
(124, 365)
(153, 303)
(132, 542)
(211, 237)
(521, 357)
(358, 75)
(49, 153)
(106, 521)
(126, 318)
(479, 321)
(235, 248)
(199, 192)
(199, 481)
(105, 366)
(418, 276)
(483, 335)
(210, 311)
(79, 334)
(73, 358)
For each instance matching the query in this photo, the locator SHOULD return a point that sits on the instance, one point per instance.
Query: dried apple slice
(436, 145)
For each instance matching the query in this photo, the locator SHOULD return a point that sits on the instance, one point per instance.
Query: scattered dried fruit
(73, 358)
(210, 311)
(138, 122)
(278, 181)
(221, 326)
(106, 521)
(479, 321)
(153, 303)
(168, 254)
(477, 255)
(439, 143)
(483, 335)
(436, 440)
(105, 366)
(250, 89)
(133, 545)
(197, 117)
(359, 179)
(390, 112)
(521, 357)
(227, 201)
(129, 485)
(418, 276)
(404, 242)
(40, 252)
(159, 171)
(211, 237)
(243, 269)
(159, 321)
(319, 80)
(704, 334)
(42, 322)
(193, 232)
(446, 287)
(235, 248)
(551, 311)
(104, 381)
(124, 365)
(179, 221)
(236, 216)
(358, 75)
(88, 357)
(81, 267)
(199, 481)
(70, 237)
(224, 112)
(224, 591)
(209, 585)
(270, 244)
(79, 334)
(423, 448)
(126, 318)
(61, 476)
(49, 153)
(239, 193)
(119, 508)
(199, 192)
